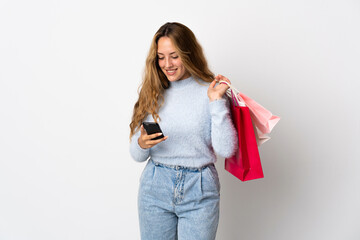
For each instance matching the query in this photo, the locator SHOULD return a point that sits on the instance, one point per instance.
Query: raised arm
(223, 133)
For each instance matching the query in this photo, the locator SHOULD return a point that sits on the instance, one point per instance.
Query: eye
(174, 57)
(160, 58)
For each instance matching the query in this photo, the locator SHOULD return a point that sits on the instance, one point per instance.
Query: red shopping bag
(245, 164)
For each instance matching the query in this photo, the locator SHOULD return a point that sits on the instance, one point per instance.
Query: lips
(170, 72)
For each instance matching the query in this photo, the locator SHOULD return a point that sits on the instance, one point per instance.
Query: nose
(168, 63)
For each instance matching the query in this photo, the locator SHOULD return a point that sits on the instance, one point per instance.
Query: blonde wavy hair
(155, 81)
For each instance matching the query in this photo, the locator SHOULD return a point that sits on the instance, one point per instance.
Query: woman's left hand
(218, 91)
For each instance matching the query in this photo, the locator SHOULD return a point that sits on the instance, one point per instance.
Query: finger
(154, 142)
(154, 135)
(142, 129)
(222, 87)
(220, 77)
(227, 87)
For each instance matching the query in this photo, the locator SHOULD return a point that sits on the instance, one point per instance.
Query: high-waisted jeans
(178, 202)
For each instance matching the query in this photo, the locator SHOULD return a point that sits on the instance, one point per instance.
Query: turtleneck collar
(182, 83)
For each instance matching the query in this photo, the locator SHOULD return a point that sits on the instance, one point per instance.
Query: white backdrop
(69, 73)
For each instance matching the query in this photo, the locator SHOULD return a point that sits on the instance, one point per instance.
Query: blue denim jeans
(178, 202)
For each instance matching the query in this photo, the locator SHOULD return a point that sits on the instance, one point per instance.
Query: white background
(69, 73)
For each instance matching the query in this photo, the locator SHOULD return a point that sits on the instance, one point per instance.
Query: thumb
(212, 84)
(142, 129)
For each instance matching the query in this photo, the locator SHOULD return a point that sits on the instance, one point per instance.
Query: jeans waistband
(178, 167)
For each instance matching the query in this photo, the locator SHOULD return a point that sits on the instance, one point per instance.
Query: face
(169, 61)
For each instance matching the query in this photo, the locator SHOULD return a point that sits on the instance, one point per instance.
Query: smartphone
(151, 128)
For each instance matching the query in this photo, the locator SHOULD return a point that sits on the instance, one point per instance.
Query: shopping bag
(262, 118)
(245, 164)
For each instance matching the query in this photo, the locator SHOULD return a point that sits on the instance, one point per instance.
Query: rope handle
(233, 93)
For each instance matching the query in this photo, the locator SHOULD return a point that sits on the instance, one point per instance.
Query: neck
(182, 83)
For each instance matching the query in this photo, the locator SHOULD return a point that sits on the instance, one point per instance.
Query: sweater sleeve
(223, 133)
(138, 154)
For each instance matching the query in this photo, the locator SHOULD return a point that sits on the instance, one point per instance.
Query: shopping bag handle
(234, 94)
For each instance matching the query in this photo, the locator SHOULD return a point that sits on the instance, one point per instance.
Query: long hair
(155, 81)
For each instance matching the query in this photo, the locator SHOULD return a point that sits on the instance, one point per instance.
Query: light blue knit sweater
(197, 128)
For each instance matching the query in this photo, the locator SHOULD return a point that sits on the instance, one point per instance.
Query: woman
(179, 188)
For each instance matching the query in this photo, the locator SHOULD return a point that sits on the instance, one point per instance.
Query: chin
(172, 78)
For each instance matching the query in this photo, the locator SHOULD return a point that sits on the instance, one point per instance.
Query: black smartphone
(151, 128)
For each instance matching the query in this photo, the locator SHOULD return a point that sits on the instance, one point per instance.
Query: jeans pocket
(214, 176)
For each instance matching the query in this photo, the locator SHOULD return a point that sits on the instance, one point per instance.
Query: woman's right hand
(145, 139)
